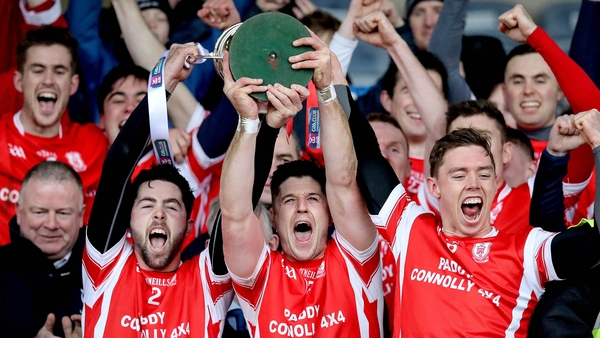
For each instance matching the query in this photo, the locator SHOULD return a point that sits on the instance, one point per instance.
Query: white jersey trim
(197, 118)
(41, 18)
(374, 290)
(361, 256)
(203, 159)
(575, 188)
(21, 128)
(538, 242)
(249, 282)
(106, 287)
(217, 312)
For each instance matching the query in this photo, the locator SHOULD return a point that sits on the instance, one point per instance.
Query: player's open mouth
(413, 115)
(302, 232)
(47, 100)
(158, 239)
(471, 208)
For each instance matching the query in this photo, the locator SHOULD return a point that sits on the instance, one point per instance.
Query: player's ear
(531, 168)
(273, 242)
(433, 187)
(189, 225)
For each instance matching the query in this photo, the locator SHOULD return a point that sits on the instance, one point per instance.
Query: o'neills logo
(481, 252)
(161, 281)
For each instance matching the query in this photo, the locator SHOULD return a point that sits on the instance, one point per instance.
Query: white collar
(21, 128)
(61, 262)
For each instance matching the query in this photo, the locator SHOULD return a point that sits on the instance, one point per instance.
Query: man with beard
(142, 288)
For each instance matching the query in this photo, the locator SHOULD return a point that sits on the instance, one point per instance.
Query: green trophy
(260, 48)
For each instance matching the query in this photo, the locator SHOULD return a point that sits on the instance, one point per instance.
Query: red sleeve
(579, 90)
(13, 28)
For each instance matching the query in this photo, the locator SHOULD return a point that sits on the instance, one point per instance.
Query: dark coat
(31, 287)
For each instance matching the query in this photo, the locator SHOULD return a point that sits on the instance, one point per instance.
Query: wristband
(327, 94)
(248, 126)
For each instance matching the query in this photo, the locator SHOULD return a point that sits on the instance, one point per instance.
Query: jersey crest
(481, 252)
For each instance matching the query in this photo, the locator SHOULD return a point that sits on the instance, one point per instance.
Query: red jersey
(83, 147)
(489, 285)
(123, 300)
(538, 148)
(338, 295)
(416, 178)
(18, 18)
(388, 278)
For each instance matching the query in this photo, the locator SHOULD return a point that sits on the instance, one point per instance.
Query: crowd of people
(454, 197)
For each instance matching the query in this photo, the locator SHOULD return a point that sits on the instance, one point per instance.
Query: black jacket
(31, 287)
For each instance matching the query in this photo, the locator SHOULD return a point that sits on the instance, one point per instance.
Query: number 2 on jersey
(155, 294)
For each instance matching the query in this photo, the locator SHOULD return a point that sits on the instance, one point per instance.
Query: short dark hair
(167, 173)
(320, 21)
(521, 140)
(52, 171)
(298, 168)
(462, 137)
(383, 117)
(47, 36)
(523, 49)
(429, 62)
(114, 75)
(387, 118)
(477, 107)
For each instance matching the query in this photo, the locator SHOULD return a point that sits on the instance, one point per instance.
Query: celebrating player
(143, 289)
(290, 293)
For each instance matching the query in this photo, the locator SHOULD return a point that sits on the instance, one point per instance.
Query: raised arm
(344, 42)
(446, 44)
(346, 203)
(577, 86)
(376, 29)
(242, 233)
(547, 201)
(95, 58)
(110, 218)
(576, 249)
(145, 49)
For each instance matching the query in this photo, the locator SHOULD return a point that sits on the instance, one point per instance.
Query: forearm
(106, 227)
(427, 98)
(145, 51)
(265, 144)
(236, 187)
(343, 48)
(577, 86)
(217, 130)
(338, 151)
(376, 178)
(547, 202)
(263, 156)
(346, 203)
(446, 44)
